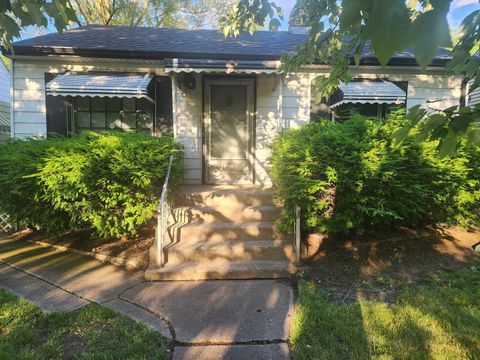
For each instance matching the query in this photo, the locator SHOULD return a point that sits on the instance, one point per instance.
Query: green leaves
(21, 13)
(387, 27)
(351, 177)
(107, 183)
(428, 32)
(449, 127)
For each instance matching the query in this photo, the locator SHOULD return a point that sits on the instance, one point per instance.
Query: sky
(459, 9)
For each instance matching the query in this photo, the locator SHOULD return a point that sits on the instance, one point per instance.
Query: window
(100, 113)
(380, 111)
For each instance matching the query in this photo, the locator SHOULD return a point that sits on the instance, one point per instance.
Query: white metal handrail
(162, 214)
(298, 235)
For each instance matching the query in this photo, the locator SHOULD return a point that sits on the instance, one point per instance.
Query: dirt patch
(365, 268)
(134, 248)
(73, 345)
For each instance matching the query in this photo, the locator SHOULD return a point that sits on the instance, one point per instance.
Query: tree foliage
(152, 13)
(108, 183)
(17, 14)
(353, 177)
(339, 31)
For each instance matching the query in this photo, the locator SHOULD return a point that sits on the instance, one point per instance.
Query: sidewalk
(237, 319)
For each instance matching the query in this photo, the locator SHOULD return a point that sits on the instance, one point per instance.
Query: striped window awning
(101, 84)
(473, 97)
(175, 65)
(368, 91)
(4, 120)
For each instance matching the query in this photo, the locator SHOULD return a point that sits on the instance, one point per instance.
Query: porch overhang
(206, 66)
(368, 91)
(101, 85)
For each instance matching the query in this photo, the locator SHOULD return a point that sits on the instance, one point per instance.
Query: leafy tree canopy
(153, 13)
(17, 14)
(340, 30)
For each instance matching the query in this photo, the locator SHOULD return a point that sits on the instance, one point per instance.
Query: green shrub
(109, 183)
(352, 177)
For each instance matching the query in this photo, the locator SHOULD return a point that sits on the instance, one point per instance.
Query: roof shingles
(151, 43)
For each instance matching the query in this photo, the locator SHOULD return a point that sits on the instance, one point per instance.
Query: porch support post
(281, 122)
(174, 105)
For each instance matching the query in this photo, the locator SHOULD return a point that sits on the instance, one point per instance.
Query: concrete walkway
(235, 319)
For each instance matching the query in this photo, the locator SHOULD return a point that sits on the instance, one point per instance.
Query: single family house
(222, 98)
(225, 100)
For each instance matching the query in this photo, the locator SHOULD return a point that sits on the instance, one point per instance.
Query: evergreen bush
(109, 183)
(353, 177)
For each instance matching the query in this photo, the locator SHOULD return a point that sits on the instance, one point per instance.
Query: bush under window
(352, 177)
(109, 183)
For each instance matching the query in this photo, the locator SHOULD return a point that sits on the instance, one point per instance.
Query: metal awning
(473, 97)
(101, 84)
(4, 120)
(368, 91)
(221, 66)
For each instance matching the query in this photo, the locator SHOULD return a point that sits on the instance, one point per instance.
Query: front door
(228, 131)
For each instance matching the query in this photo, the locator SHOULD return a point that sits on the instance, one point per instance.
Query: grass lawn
(92, 332)
(438, 320)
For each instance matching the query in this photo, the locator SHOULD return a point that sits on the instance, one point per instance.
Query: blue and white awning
(473, 97)
(4, 120)
(368, 91)
(101, 84)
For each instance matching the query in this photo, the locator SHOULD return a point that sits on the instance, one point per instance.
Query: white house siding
(282, 102)
(268, 123)
(296, 99)
(187, 110)
(29, 113)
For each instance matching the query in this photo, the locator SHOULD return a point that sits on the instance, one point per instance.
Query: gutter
(12, 98)
(160, 55)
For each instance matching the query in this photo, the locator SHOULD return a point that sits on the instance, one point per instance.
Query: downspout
(174, 105)
(463, 92)
(12, 93)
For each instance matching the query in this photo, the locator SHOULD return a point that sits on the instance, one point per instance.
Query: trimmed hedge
(352, 177)
(109, 183)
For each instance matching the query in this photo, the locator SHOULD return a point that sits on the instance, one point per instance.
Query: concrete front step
(235, 250)
(224, 231)
(222, 269)
(230, 214)
(221, 195)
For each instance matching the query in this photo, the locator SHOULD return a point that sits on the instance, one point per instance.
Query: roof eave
(130, 54)
(156, 55)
